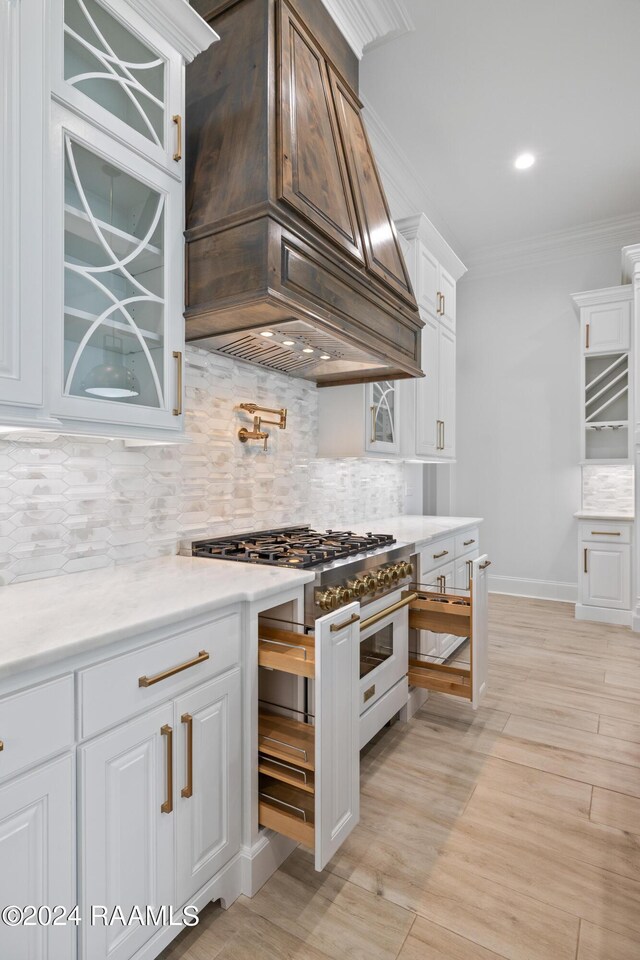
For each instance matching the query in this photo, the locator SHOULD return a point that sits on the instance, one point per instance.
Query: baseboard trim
(535, 589)
(622, 618)
(262, 860)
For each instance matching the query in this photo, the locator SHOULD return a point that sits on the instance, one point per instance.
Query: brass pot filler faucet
(258, 433)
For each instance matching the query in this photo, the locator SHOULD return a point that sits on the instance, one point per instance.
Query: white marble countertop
(44, 621)
(413, 528)
(603, 515)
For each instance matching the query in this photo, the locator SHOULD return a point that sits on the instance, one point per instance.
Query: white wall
(518, 418)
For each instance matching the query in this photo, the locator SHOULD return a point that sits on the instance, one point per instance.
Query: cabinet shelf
(287, 773)
(75, 331)
(77, 223)
(287, 740)
(441, 678)
(287, 810)
(287, 651)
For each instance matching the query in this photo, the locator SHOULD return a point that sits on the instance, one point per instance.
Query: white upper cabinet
(21, 201)
(606, 373)
(104, 191)
(427, 408)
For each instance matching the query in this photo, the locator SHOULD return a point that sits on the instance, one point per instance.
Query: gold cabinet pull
(487, 563)
(373, 425)
(586, 565)
(467, 543)
(177, 410)
(606, 533)
(377, 617)
(369, 693)
(587, 336)
(336, 627)
(443, 553)
(177, 119)
(150, 681)
(167, 805)
(444, 442)
(1, 746)
(444, 304)
(469, 569)
(187, 791)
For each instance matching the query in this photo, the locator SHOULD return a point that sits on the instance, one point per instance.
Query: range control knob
(406, 569)
(358, 587)
(370, 584)
(396, 572)
(328, 600)
(384, 579)
(343, 595)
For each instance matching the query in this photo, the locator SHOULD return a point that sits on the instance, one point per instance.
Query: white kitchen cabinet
(359, 420)
(607, 372)
(208, 812)
(127, 825)
(37, 840)
(309, 772)
(428, 406)
(21, 224)
(111, 214)
(605, 571)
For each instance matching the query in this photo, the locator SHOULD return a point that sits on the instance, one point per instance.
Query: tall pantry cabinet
(92, 177)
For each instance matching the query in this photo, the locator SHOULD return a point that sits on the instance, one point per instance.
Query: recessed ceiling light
(266, 333)
(289, 343)
(325, 356)
(308, 350)
(524, 161)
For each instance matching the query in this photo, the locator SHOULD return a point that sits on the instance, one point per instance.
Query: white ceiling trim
(367, 23)
(179, 24)
(591, 237)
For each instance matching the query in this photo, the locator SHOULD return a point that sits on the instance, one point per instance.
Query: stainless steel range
(348, 566)
(372, 568)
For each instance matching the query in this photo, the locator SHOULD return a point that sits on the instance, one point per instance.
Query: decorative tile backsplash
(608, 487)
(71, 504)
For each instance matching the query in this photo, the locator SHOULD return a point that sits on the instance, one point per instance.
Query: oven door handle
(377, 617)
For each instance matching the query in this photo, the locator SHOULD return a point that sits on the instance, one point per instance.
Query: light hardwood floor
(510, 833)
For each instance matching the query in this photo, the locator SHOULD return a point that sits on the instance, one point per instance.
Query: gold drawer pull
(167, 805)
(177, 119)
(437, 556)
(586, 554)
(373, 425)
(336, 627)
(377, 617)
(606, 533)
(187, 791)
(149, 681)
(369, 693)
(467, 543)
(587, 337)
(1, 746)
(177, 410)
(487, 563)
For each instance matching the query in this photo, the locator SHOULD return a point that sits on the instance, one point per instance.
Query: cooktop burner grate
(292, 547)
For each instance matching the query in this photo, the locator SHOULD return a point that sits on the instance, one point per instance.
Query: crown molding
(368, 23)
(631, 263)
(420, 228)
(594, 237)
(178, 23)
(594, 298)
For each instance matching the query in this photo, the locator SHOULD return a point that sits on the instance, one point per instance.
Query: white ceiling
(480, 81)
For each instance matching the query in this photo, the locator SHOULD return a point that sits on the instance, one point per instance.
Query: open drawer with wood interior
(308, 730)
(460, 612)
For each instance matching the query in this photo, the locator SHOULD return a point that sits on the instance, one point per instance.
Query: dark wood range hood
(288, 230)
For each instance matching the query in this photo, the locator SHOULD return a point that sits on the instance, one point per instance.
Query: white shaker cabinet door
(337, 730)
(209, 764)
(21, 199)
(479, 640)
(606, 575)
(447, 298)
(447, 387)
(606, 327)
(127, 825)
(37, 852)
(427, 393)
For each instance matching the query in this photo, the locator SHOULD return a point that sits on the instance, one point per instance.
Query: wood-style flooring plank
(621, 729)
(616, 810)
(428, 940)
(596, 943)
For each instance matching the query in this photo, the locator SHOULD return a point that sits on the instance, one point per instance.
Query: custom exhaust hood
(293, 261)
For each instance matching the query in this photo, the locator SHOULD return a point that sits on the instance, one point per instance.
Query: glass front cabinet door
(381, 401)
(116, 222)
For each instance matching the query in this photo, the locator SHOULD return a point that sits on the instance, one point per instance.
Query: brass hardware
(370, 583)
(395, 573)
(149, 681)
(369, 693)
(328, 599)
(337, 627)
(487, 563)
(377, 617)
(443, 553)
(606, 533)
(187, 791)
(469, 569)
(444, 304)
(383, 579)
(1, 746)
(444, 439)
(467, 543)
(440, 437)
(177, 119)
(358, 587)
(373, 425)
(258, 433)
(439, 308)
(586, 568)
(587, 339)
(344, 595)
(167, 806)
(442, 583)
(177, 410)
